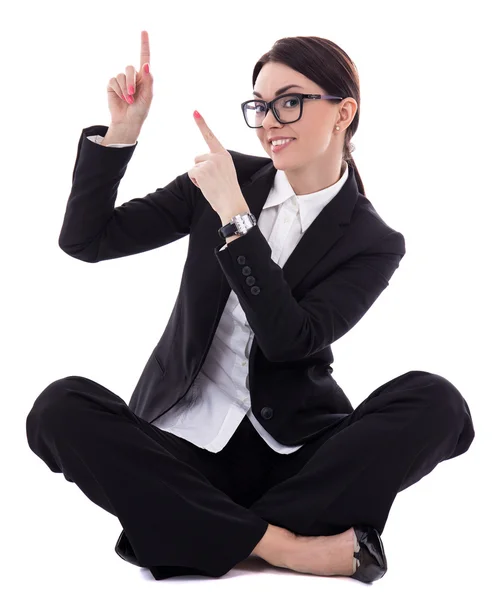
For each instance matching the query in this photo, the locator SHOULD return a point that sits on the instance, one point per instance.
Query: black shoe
(124, 549)
(371, 554)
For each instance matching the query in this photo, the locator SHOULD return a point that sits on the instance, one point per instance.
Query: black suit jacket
(340, 266)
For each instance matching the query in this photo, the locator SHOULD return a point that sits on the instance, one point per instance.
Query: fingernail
(197, 115)
(130, 90)
(146, 67)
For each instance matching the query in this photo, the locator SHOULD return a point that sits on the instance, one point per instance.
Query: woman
(199, 474)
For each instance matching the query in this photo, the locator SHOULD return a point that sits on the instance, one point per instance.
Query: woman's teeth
(279, 146)
(280, 142)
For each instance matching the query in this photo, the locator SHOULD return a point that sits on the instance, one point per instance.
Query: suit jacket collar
(309, 205)
(322, 233)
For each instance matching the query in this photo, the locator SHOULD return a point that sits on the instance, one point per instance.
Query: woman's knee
(447, 406)
(53, 400)
(446, 398)
(456, 412)
(437, 398)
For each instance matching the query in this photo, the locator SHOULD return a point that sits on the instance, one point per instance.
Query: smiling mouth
(280, 147)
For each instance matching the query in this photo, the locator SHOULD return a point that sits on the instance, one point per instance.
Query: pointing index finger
(145, 52)
(213, 142)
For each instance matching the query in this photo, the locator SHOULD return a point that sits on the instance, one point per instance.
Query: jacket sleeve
(287, 329)
(94, 230)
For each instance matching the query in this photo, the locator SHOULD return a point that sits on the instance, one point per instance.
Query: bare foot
(325, 554)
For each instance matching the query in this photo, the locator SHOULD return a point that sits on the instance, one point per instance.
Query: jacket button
(250, 280)
(241, 260)
(255, 290)
(246, 270)
(266, 412)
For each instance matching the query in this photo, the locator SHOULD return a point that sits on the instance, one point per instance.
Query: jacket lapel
(321, 235)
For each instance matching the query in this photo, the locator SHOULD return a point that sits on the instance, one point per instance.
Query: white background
(426, 149)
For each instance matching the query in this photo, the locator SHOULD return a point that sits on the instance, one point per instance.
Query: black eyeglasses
(255, 111)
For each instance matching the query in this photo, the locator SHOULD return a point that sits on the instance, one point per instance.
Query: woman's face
(314, 131)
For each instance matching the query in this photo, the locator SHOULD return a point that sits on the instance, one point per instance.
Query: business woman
(237, 440)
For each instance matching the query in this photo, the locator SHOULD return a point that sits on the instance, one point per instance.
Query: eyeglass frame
(270, 105)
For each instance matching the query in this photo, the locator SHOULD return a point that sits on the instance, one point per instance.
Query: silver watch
(238, 225)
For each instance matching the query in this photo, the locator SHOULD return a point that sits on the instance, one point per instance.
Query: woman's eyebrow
(280, 90)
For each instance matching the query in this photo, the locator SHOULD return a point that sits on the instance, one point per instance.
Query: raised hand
(129, 94)
(215, 175)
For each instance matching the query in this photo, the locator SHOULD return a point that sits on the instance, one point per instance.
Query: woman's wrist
(121, 134)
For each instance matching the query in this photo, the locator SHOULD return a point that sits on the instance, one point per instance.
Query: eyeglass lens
(287, 109)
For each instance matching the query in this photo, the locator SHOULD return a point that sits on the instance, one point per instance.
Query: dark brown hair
(330, 67)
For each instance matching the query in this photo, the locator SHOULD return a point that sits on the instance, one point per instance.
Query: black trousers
(187, 511)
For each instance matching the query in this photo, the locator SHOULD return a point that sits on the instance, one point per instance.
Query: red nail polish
(196, 114)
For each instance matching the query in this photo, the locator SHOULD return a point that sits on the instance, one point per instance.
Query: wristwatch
(238, 225)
